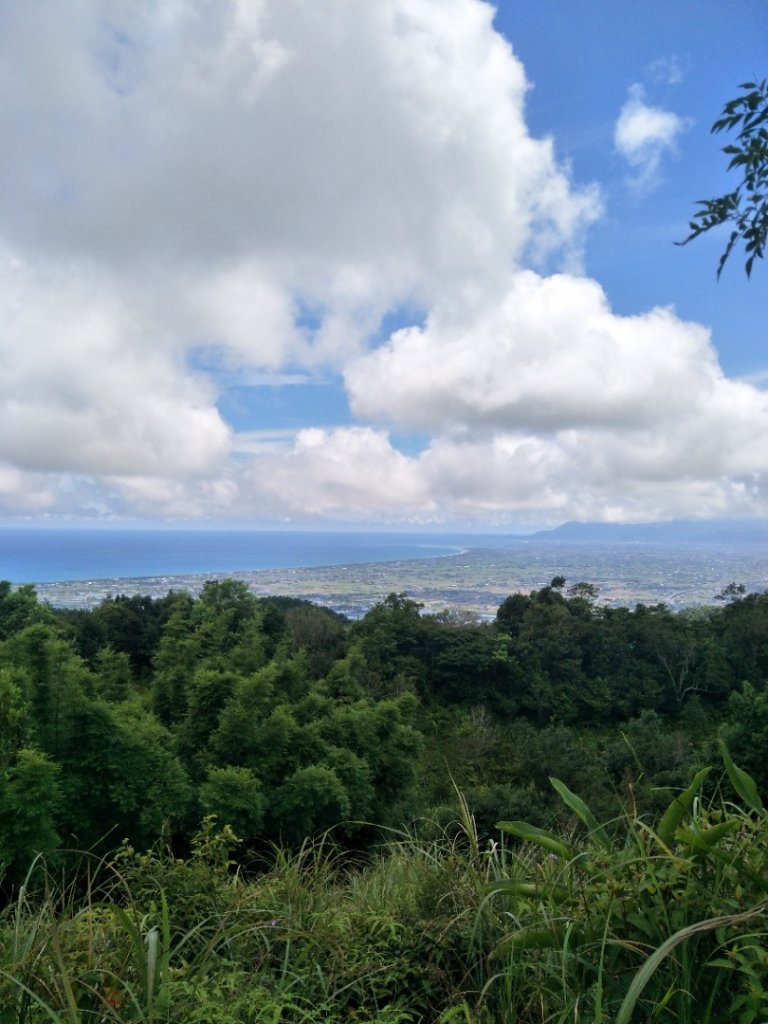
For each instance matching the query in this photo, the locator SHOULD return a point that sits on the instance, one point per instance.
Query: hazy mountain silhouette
(677, 531)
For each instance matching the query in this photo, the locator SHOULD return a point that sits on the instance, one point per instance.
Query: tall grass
(627, 920)
(601, 922)
(308, 936)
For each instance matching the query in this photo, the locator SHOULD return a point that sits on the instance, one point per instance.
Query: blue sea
(32, 555)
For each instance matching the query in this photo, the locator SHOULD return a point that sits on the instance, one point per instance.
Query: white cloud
(549, 356)
(551, 398)
(643, 135)
(352, 155)
(23, 493)
(88, 386)
(202, 193)
(348, 473)
(502, 478)
(193, 177)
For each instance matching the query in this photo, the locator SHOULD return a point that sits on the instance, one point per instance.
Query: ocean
(39, 555)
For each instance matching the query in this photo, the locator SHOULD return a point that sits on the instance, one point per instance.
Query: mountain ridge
(675, 531)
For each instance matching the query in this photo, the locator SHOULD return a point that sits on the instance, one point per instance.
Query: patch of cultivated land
(476, 580)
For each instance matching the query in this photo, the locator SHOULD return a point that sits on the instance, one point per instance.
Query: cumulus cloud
(240, 190)
(710, 467)
(548, 356)
(87, 386)
(194, 177)
(361, 152)
(643, 135)
(346, 473)
(23, 493)
(550, 397)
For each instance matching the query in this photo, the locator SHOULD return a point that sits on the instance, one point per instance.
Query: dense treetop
(283, 719)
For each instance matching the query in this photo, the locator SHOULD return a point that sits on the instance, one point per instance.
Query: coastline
(56, 555)
(475, 579)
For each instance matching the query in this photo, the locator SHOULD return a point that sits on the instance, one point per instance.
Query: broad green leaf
(528, 890)
(719, 962)
(532, 834)
(743, 783)
(703, 842)
(578, 806)
(533, 937)
(679, 807)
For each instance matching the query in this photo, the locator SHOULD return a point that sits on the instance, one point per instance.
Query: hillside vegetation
(229, 809)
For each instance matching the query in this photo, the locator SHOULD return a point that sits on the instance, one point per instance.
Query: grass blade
(579, 808)
(646, 972)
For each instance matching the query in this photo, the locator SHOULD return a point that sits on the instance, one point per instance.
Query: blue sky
(406, 263)
(689, 57)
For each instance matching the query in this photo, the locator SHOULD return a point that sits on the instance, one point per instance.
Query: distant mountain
(676, 531)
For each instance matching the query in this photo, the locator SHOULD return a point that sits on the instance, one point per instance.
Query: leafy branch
(746, 207)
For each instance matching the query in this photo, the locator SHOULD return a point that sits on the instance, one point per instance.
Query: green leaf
(528, 890)
(532, 834)
(32, 997)
(746, 114)
(645, 973)
(704, 842)
(743, 783)
(679, 808)
(533, 937)
(579, 808)
(720, 962)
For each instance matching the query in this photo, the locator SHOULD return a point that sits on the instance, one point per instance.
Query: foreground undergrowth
(603, 922)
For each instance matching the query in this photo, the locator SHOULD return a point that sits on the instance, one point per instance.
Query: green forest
(237, 810)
